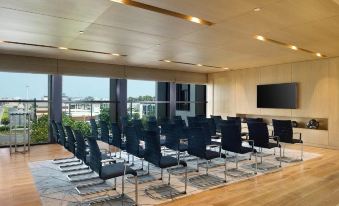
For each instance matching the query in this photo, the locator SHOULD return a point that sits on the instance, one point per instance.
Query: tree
(39, 132)
(104, 114)
(5, 117)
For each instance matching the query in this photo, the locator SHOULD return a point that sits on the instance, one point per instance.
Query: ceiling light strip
(63, 48)
(164, 11)
(192, 64)
(293, 47)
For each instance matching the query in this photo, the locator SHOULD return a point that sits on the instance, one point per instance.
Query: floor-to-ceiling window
(22, 93)
(141, 99)
(191, 100)
(84, 98)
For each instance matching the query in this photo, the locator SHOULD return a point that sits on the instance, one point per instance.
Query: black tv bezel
(296, 102)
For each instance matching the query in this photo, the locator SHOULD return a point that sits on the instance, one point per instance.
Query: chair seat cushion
(183, 147)
(295, 141)
(115, 170)
(168, 161)
(211, 154)
(244, 150)
(272, 145)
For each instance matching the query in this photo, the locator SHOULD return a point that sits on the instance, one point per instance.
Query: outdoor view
(140, 99)
(28, 87)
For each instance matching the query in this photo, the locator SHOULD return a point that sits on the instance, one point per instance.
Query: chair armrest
(274, 136)
(108, 161)
(249, 140)
(299, 133)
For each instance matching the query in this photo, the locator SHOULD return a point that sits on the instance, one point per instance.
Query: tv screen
(282, 96)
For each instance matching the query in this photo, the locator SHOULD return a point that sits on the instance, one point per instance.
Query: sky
(13, 85)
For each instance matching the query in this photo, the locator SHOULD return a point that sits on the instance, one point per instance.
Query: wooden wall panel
(318, 94)
(333, 121)
(246, 90)
(312, 77)
(272, 75)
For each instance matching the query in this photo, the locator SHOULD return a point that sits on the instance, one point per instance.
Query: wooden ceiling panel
(82, 10)
(215, 11)
(147, 22)
(111, 35)
(27, 22)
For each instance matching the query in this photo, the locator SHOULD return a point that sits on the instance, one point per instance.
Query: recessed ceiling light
(118, 1)
(114, 54)
(261, 38)
(1, 41)
(226, 68)
(293, 47)
(166, 60)
(63, 48)
(81, 32)
(319, 55)
(199, 65)
(195, 20)
(257, 9)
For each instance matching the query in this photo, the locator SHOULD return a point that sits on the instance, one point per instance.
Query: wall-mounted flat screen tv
(283, 96)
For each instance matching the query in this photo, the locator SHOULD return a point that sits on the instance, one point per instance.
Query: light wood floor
(313, 182)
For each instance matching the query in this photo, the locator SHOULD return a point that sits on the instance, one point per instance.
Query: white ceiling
(117, 28)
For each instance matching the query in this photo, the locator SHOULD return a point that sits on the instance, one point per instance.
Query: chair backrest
(192, 122)
(116, 135)
(55, 131)
(94, 128)
(152, 148)
(70, 139)
(139, 128)
(180, 123)
(283, 129)
(259, 133)
(104, 131)
(233, 118)
(196, 142)
(172, 140)
(253, 120)
(177, 118)
(132, 141)
(217, 120)
(212, 126)
(152, 126)
(152, 119)
(95, 156)
(206, 131)
(123, 123)
(62, 134)
(231, 138)
(80, 151)
(166, 128)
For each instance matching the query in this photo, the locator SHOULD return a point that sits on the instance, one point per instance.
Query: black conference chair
(71, 147)
(123, 124)
(258, 132)
(254, 120)
(139, 128)
(197, 147)
(133, 145)
(105, 137)
(82, 153)
(94, 129)
(216, 119)
(62, 134)
(193, 122)
(117, 138)
(231, 141)
(237, 121)
(153, 155)
(173, 140)
(152, 119)
(284, 130)
(110, 171)
(55, 132)
(177, 118)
